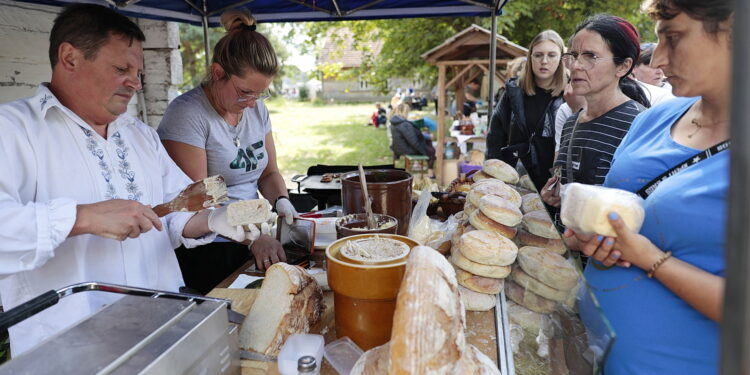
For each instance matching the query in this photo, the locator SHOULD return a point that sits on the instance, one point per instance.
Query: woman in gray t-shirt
(222, 127)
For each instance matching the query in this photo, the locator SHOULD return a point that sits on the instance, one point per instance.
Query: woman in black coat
(523, 122)
(407, 139)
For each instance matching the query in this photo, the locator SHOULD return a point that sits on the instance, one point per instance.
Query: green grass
(307, 134)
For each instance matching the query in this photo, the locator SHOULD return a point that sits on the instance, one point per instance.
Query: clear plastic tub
(342, 354)
(297, 346)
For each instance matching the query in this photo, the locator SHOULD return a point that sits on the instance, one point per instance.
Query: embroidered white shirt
(51, 160)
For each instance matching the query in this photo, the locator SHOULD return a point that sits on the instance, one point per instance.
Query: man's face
(106, 83)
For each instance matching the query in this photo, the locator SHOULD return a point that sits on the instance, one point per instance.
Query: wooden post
(440, 125)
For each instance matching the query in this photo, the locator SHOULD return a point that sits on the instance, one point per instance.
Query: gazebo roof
(473, 43)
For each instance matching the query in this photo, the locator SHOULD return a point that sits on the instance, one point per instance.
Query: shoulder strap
(649, 188)
(569, 156)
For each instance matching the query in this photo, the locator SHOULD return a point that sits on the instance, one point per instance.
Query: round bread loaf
(526, 182)
(497, 272)
(548, 267)
(479, 176)
(493, 188)
(539, 223)
(531, 202)
(469, 208)
(488, 247)
(474, 301)
(533, 285)
(500, 170)
(522, 190)
(479, 284)
(500, 210)
(480, 221)
(525, 238)
(528, 299)
(488, 180)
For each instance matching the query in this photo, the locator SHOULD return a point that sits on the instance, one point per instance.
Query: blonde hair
(515, 67)
(526, 79)
(243, 48)
(401, 110)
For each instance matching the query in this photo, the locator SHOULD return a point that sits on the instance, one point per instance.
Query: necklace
(698, 128)
(215, 103)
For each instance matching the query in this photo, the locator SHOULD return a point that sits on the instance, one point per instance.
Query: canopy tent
(198, 11)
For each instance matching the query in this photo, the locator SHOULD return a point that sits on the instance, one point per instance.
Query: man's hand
(267, 251)
(117, 219)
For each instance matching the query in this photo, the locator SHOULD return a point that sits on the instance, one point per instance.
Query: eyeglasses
(586, 59)
(259, 97)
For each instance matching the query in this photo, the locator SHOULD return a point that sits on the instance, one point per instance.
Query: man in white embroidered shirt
(80, 177)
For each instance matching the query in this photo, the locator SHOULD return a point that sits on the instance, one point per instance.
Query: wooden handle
(162, 209)
(371, 222)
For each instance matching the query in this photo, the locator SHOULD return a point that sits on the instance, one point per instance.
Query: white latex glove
(284, 208)
(253, 233)
(217, 222)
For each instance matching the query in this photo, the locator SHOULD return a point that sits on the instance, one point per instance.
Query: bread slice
(251, 211)
(428, 324)
(289, 302)
(475, 301)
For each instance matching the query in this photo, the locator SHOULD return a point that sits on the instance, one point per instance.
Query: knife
(246, 354)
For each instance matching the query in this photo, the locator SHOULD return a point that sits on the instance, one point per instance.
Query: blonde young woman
(523, 122)
(223, 127)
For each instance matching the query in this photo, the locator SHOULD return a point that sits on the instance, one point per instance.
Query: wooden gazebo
(460, 59)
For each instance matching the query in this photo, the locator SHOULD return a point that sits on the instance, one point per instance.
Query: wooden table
(480, 326)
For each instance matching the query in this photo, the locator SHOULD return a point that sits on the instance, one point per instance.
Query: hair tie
(632, 35)
(248, 27)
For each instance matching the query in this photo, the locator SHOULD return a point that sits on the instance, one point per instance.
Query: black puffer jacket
(407, 139)
(536, 147)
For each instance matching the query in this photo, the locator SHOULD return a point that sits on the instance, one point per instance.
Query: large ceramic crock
(390, 190)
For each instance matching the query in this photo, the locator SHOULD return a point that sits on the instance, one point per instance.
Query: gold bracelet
(658, 264)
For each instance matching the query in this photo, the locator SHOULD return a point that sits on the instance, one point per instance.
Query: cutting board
(480, 329)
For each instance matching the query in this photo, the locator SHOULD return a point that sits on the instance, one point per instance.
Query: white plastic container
(342, 354)
(300, 345)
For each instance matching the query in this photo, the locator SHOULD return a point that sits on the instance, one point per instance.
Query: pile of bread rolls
(502, 214)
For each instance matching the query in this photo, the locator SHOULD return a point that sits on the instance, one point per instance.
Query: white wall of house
(24, 61)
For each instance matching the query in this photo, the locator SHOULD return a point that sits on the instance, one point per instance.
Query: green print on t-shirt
(247, 158)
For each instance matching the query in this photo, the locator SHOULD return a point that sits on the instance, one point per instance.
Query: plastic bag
(419, 224)
(585, 208)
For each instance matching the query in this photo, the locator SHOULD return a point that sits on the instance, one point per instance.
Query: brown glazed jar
(390, 190)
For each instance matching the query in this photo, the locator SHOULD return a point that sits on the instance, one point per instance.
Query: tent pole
(438, 168)
(493, 65)
(735, 323)
(206, 47)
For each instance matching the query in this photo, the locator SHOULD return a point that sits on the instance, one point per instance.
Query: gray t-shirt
(191, 119)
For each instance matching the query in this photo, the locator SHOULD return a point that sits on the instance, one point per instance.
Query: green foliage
(194, 57)
(405, 40)
(304, 93)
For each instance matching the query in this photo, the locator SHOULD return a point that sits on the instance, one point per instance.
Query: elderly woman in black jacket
(523, 122)
(407, 139)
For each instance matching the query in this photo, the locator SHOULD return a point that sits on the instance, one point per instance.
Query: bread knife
(246, 354)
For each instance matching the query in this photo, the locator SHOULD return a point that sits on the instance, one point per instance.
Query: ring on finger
(267, 261)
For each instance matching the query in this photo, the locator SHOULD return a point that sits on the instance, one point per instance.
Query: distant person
(523, 122)
(651, 79)
(378, 117)
(512, 70)
(472, 93)
(223, 127)
(407, 139)
(573, 104)
(396, 99)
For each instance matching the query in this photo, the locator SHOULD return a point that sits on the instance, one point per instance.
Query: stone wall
(24, 61)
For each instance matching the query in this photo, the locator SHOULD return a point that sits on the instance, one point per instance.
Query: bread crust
(548, 267)
(553, 244)
(482, 222)
(528, 299)
(479, 284)
(500, 210)
(539, 223)
(498, 272)
(487, 247)
(500, 170)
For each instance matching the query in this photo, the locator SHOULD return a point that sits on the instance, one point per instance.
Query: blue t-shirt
(656, 331)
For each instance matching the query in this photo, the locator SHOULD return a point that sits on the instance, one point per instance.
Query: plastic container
(342, 354)
(300, 345)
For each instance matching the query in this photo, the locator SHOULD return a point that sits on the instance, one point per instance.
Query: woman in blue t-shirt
(664, 301)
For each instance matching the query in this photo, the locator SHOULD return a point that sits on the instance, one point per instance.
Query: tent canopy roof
(191, 11)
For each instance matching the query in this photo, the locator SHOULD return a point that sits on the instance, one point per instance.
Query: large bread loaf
(487, 247)
(548, 267)
(485, 270)
(289, 302)
(428, 325)
(531, 202)
(480, 221)
(493, 187)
